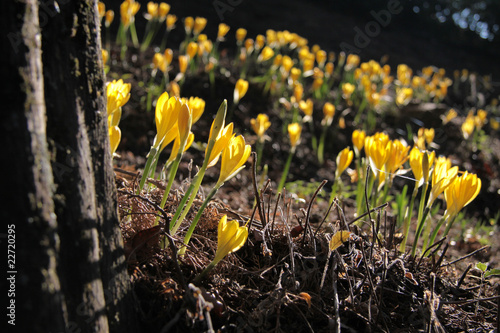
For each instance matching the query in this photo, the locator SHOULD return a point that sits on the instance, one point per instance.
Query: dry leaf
(339, 238)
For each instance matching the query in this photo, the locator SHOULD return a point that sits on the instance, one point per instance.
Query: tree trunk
(70, 273)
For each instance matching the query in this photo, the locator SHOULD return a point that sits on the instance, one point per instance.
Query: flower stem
(190, 231)
(285, 171)
(406, 225)
(151, 157)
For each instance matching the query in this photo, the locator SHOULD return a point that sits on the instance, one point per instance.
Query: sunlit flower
(352, 62)
(183, 63)
(234, 155)
(105, 56)
(221, 142)
(344, 159)
(266, 54)
(196, 105)
(188, 24)
(294, 131)
(307, 108)
(109, 16)
(170, 21)
(240, 90)
(241, 34)
(163, 10)
(191, 49)
(118, 94)
(114, 138)
(421, 163)
(128, 9)
(358, 140)
(468, 126)
(230, 238)
(260, 125)
(222, 31)
(328, 113)
(298, 91)
(451, 114)
(461, 192)
(398, 155)
(159, 62)
(377, 150)
(442, 176)
(152, 9)
(166, 116)
(347, 90)
(403, 96)
(101, 8)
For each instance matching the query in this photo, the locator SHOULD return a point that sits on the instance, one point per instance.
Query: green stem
(150, 28)
(198, 279)
(147, 167)
(406, 225)
(285, 171)
(314, 141)
(133, 34)
(195, 186)
(190, 231)
(171, 177)
(438, 226)
(321, 146)
(420, 227)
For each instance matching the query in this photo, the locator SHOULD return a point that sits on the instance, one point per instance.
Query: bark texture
(62, 199)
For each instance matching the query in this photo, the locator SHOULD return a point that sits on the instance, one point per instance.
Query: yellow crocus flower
(199, 24)
(163, 10)
(352, 62)
(403, 96)
(241, 34)
(230, 238)
(188, 24)
(183, 63)
(266, 54)
(442, 176)
(222, 31)
(347, 90)
(358, 140)
(118, 94)
(114, 138)
(110, 15)
(328, 114)
(307, 108)
(294, 131)
(166, 116)
(170, 21)
(398, 155)
(152, 8)
(421, 163)
(298, 91)
(191, 49)
(377, 150)
(234, 155)
(101, 8)
(468, 127)
(196, 105)
(221, 142)
(159, 62)
(286, 63)
(260, 125)
(461, 192)
(240, 90)
(344, 159)
(128, 9)
(105, 56)
(176, 146)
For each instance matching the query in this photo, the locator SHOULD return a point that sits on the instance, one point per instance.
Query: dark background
(423, 32)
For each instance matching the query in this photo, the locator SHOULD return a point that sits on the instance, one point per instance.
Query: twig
(370, 211)
(173, 248)
(324, 219)
(254, 182)
(275, 211)
(336, 296)
(462, 278)
(441, 257)
(306, 227)
(464, 257)
(428, 249)
(465, 302)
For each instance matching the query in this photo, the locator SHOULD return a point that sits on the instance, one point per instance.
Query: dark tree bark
(61, 199)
